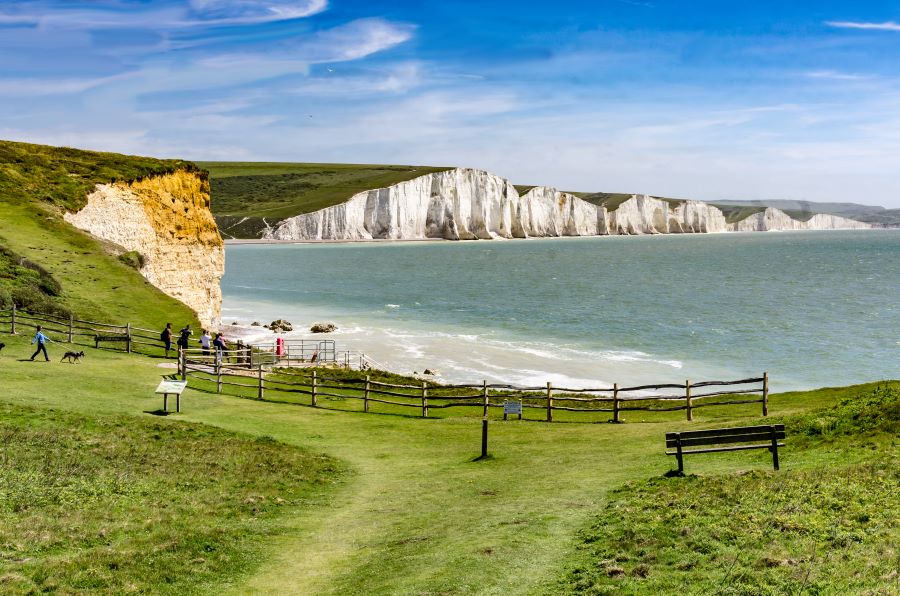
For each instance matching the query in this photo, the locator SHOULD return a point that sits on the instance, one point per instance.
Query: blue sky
(701, 99)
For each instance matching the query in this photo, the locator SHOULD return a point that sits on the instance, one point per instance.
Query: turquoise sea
(811, 308)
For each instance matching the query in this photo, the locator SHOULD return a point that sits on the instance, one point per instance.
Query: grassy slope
(37, 184)
(275, 191)
(734, 213)
(418, 516)
(828, 525)
(104, 504)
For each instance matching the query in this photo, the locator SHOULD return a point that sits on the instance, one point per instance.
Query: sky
(698, 99)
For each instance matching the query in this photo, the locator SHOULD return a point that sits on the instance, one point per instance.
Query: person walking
(41, 341)
(166, 337)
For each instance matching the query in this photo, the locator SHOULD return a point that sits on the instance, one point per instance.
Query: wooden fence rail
(245, 373)
(427, 396)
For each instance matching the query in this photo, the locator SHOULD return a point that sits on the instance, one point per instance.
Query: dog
(73, 357)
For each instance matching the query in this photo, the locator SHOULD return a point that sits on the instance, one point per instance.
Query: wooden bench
(723, 439)
(116, 337)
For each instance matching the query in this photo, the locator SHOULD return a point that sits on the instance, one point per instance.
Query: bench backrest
(716, 436)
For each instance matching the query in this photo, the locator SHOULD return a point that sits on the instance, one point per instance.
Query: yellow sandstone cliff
(167, 220)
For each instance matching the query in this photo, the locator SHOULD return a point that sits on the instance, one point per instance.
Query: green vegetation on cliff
(45, 263)
(244, 193)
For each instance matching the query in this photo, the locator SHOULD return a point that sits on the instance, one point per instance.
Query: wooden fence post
(765, 399)
(366, 396)
(128, 334)
(262, 386)
(218, 377)
(424, 399)
(687, 395)
(484, 393)
(616, 403)
(549, 402)
(314, 400)
(12, 329)
(182, 360)
(71, 327)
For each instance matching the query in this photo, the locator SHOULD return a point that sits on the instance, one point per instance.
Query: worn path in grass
(417, 515)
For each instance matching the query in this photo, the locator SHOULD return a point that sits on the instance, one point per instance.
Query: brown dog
(73, 357)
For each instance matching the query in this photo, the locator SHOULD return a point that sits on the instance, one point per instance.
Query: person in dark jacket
(41, 340)
(183, 337)
(166, 337)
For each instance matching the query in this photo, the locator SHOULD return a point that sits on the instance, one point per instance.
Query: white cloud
(223, 12)
(198, 13)
(396, 78)
(886, 26)
(354, 40)
(27, 87)
(837, 76)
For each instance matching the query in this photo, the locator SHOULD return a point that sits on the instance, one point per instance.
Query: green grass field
(246, 192)
(411, 511)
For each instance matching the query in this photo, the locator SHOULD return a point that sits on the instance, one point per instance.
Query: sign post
(174, 387)
(512, 407)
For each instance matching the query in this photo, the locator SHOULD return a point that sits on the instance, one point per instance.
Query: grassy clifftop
(48, 265)
(244, 193)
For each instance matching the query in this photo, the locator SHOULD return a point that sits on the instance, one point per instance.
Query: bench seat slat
(733, 448)
(736, 438)
(727, 431)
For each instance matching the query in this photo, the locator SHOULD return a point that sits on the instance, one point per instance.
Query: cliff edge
(166, 218)
(468, 204)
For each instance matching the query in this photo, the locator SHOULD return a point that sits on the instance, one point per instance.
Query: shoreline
(267, 241)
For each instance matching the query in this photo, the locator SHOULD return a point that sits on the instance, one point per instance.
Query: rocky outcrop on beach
(167, 220)
(773, 219)
(468, 204)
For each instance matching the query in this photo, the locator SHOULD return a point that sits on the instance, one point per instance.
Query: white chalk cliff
(775, 220)
(467, 204)
(167, 220)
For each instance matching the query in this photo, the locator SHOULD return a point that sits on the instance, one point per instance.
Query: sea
(812, 309)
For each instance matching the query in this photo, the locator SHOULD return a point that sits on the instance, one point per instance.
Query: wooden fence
(239, 379)
(240, 372)
(78, 331)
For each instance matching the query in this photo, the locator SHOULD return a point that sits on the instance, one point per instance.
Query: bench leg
(774, 450)
(680, 457)
(165, 402)
(178, 402)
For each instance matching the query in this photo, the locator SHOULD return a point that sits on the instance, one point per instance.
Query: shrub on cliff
(28, 285)
(133, 259)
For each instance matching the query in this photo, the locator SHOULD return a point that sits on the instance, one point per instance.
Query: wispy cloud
(222, 12)
(833, 75)
(885, 26)
(53, 14)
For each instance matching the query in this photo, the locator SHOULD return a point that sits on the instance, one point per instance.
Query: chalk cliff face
(774, 219)
(647, 215)
(466, 204)
(166, 219)
(460, 204)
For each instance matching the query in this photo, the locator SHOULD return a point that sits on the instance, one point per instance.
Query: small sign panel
(512, 407)
(175, 387)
